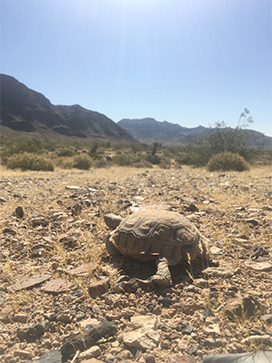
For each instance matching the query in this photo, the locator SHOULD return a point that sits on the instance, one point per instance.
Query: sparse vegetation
(85, 155)
(70, 241)
(82, 161)
(227, 161)
(28, 161)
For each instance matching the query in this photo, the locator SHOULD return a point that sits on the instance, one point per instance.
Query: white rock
(93, 352)
(144, 336)
(142, 339)
(144, 321)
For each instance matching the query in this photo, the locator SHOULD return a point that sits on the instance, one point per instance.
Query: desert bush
(138, 147)
(142, 164)
(122, 160)
(64, 162)
(222, 139)
(100, 163)
(165, 165)
(153, 159)
(66, 152)
(82, 162)
(28, 161)
(227, 161)
(23, 145)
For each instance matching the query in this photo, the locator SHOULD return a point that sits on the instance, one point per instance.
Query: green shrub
(23, 145)
(153, 159)
(66, 152)
(122, 160)
(100, 163)
(64, 162)
(28, 161)
(227, 161)
(142, 164)
(82, 162)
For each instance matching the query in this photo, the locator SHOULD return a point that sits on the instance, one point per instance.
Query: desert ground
(60, 291)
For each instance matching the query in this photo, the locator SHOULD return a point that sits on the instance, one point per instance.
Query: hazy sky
(191, 62)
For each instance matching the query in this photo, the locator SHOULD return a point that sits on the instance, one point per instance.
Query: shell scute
(152, 233)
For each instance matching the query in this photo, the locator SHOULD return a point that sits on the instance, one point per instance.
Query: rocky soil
(62, 294)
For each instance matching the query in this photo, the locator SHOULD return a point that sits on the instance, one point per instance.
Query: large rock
(144, 334)
(54, 356)
(252, 357)
(246, 307)
(90, 336)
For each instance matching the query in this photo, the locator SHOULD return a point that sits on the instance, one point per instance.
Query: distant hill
(27, 112)
(148, 130)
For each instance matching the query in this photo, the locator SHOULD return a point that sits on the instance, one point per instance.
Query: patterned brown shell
(151, 233)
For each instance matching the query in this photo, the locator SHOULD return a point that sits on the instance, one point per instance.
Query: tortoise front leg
(163, 274)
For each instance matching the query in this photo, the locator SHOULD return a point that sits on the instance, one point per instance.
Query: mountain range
(24, 111)
(148, 130)
(27, 112)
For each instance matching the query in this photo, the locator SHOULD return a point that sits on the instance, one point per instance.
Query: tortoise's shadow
(143, 270)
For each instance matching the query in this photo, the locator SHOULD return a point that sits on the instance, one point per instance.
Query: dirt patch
(55, 273)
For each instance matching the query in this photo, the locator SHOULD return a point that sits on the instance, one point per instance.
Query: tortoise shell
(148, 234)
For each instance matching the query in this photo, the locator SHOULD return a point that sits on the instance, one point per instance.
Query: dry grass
(220, 218)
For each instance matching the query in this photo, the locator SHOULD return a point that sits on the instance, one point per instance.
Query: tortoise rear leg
(163, 274)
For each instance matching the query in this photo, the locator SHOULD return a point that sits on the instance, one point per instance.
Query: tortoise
(164, 236)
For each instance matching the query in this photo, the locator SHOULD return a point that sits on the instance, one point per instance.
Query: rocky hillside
(148, 130)
(26, 111)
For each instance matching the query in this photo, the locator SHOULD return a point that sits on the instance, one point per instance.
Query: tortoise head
(112, 220)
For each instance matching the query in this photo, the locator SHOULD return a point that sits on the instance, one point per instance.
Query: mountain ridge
(149, 130)
(27, 111)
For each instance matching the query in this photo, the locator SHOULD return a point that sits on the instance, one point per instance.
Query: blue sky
(191, 62)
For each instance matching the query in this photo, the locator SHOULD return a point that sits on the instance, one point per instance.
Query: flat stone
(144, 336)
(19, 212)
(99, 288)
(142, 339)
(9, 230)
(72, 187)
(258, 339)
(38, 221)
(267, 318)
(259, 266)
(54, 356)
(252, 221)
(92, 352)
(82, 270)
(27, 281)
(5, 313)
(20, 317)
(57, 286)
(189, 308)
(124, 355)
(88, 338)
(213, 329)
(246, 307)
(144, 321)
(201, 283)
(3, 295)
(251, 357)
(219, 271)
(177, 359)
(216, 251)
(90, 321)
(22, 354)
